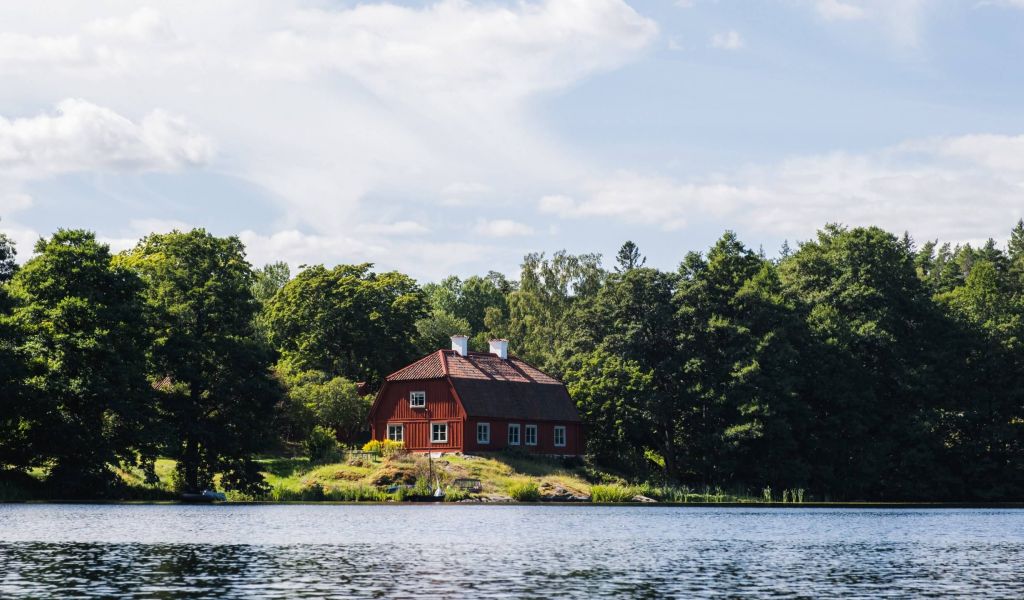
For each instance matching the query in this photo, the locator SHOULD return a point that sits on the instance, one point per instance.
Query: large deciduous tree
(84, 334)
(17, 411)
(217, 393)
(347, 321)
(877, 386)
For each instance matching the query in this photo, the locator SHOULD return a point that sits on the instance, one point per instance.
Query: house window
(439, 433)
(483, 433)
(531, 435)
(396, 433)
(560, 436)
(417, 399)
(513, 435)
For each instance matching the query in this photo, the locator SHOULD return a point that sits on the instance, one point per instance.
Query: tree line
(857, 366)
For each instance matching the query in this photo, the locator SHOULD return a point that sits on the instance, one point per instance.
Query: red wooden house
(460, 401)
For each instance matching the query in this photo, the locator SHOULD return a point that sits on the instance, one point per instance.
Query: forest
(859, 365)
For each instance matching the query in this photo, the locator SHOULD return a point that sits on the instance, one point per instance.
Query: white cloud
(727, 40)
(957, 188)
(83, 136)
(500, 228)
(145, 24)
(298, 248)
(835, 10)
(458, 52)
(902, 21)
(325, 108)
(396, 228)
(26, 51)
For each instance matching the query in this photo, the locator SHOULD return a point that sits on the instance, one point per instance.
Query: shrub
(422, 488)
(611, 493)
(454, 494)
(384, 447)
(321, 445)
(524, 491)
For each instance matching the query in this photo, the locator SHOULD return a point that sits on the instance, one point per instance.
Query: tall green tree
(738, 342)
(631, 325)
(985, 426)
(629, 258)
(331, 402)
(347, 321)
(17, 409)
(268, 281)
(479, 302)
(434, 331)
(878, 386)
(8, 259)
(540, 310)
(216, 391)
(85, 337)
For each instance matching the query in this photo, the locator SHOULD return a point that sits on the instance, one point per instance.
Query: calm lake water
(505, 551)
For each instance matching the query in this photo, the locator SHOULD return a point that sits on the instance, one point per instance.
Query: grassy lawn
(503, 477)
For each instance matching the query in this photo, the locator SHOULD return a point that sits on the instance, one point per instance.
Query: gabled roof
(489, 386)
(477, 365)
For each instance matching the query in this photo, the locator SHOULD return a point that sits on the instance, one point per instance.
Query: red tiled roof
(485, 366)
(492, 387)
(428, 367)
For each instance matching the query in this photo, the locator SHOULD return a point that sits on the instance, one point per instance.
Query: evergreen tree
(629, 258)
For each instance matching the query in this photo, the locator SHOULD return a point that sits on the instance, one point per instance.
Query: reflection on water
(488, 551)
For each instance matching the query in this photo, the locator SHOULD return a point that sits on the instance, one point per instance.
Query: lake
(276, 551)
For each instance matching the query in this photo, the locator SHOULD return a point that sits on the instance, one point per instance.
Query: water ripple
(502, 552)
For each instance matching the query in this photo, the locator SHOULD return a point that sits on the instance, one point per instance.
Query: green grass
(503, 477)
(524, 491)
(612, 493)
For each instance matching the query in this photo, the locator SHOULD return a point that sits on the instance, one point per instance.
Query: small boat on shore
(206, 496)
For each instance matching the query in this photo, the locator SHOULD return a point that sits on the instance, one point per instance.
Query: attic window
(418, 399)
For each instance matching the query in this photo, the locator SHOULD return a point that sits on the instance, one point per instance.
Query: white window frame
(526, 435)
(418, 399)
(486, 428)
(559, 429)
(514, 427)
(433, 438)
(400, 428)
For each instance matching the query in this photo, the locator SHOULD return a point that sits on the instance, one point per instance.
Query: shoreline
(770, 505)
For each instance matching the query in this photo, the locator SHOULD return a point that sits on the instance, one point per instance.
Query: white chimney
(460, 344)
(500, 347)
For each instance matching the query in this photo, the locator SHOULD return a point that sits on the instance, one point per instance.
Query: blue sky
(454, 136)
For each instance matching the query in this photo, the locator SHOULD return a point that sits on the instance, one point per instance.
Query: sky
(453, 136)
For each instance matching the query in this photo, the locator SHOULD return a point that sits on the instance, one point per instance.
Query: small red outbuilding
(460, 401)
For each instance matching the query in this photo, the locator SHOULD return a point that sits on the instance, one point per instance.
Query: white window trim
(555, 436)
(432, 440)
(519, 434)
(488, 439)
(526, 436)
(401, 431)
(413, 404)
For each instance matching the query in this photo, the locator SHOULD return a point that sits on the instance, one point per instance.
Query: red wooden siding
(545, 436)
(393, 408)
